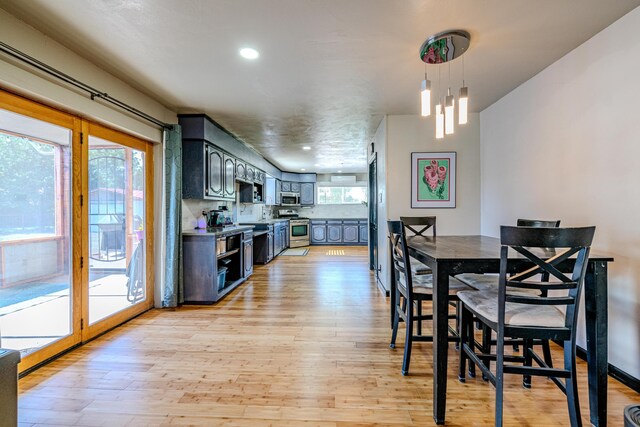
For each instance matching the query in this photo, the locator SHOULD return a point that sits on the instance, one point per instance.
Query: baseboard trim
(614, 372)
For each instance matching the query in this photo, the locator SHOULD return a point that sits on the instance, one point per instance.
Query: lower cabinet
(318, 232)
(247, 250)
(339, 232)
(334, 232)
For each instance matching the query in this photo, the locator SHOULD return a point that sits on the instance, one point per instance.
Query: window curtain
(173, 288)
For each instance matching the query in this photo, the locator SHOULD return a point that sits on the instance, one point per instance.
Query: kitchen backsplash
(335, 211)
(240, 212)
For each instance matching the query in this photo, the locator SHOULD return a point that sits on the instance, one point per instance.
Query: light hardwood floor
(305, 342)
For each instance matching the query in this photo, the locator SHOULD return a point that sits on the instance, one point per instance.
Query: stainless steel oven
(298, 232)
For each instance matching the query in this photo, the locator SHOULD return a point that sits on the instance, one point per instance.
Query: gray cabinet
(364, 232)
(339, 232)
(250, 173)
(295, 187)
(318, 232)
(229, 177)
(241, 170)
(215, 173)
(307, 194)
(334, 231)
(247, 254)
(270, 192)
(350, 232)
(286, 187)
(287, 235)
(278, 192)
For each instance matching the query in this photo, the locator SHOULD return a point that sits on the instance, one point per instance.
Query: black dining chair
(410, 292)
(528, 316)
(419, 226)
(490, 282)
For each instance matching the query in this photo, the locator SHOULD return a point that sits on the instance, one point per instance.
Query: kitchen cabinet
(287, 235)
(263, 245)
(364, 232)
(250, 173)
(278, 242)
(270, 192)
(229, 177)
(207, 172)
(339, 231)
(203, 262)
(278, 192)
(241, 170)
(286, 187)
(215, 173)
(247, 254)
(350, 232)
(318, 232)
(307, 194)
(295, 187)
(334, 231)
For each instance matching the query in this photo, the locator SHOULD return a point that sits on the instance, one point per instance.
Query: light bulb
(448, 114)
(425, 97)
(462, 105)
(439, 122)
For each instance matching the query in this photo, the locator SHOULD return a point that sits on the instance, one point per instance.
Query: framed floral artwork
(433, 180)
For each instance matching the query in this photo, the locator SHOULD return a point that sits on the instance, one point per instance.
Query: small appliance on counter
(217, 220)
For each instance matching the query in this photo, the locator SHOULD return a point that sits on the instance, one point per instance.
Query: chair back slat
(419, 225)
(538, 223)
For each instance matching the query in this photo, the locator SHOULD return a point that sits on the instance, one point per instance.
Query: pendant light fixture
(425, 97)
(438, 49)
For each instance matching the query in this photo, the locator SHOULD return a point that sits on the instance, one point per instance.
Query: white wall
(381, 147)
(566, 145)
(21, 79)
(412, 133)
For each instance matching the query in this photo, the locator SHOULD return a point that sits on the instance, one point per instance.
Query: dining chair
(490, 282)
(419, 226)
(528, 316)
(410, 291)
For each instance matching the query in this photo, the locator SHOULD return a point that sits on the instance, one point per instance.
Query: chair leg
(419, 317)
(572, 384)
(394, 330)
(499, 378)
(527, 348)
(409, 340)
(466, 324)
(486, 347)
(546, 351)
(458, 344)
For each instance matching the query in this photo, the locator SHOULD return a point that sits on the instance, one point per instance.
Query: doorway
(373, 214)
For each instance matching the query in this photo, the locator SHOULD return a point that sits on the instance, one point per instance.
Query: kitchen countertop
(228, 230)
(265, 221)
(338, 219)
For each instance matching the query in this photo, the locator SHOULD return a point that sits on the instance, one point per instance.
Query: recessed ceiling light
(249, 53)
(339, 171)
(303, 169)
(306, 148)
(317, 164)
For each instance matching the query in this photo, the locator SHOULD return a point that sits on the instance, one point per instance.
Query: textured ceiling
(329, 69)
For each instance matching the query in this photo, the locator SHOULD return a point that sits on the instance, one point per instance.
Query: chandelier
(438, 49)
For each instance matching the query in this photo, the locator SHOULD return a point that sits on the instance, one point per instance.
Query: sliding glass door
(37, 244)
(75, 235)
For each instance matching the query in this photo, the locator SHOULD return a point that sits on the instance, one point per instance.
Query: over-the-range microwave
(289, 199)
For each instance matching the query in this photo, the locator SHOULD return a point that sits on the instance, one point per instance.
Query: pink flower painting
(442, 173)
(434, 179)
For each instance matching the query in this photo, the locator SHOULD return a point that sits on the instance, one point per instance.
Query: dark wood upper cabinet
(215, 175)
(229, 177)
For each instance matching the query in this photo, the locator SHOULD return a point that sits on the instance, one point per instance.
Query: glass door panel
(116, 201)
(36, 292)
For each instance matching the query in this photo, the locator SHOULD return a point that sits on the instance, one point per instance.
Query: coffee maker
(215, 218)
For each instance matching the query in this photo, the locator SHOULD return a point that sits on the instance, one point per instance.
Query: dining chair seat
(488, 283)
(418, 268)
(484, 305)
(424, 285)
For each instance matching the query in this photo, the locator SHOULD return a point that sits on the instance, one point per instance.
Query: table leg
(440, 342)
(597, 336)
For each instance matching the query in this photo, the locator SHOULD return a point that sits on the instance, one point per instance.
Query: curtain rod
(94, 93)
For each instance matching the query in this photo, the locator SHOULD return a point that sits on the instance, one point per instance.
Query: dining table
(451, 255)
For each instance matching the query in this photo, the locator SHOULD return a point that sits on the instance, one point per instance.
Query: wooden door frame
(79, 232)
(103, 325)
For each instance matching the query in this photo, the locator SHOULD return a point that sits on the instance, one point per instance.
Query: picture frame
(433, 180)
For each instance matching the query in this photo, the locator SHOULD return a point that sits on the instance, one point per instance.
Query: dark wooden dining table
(451, 255)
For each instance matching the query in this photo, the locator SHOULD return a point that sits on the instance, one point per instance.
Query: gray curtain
(173, 288)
